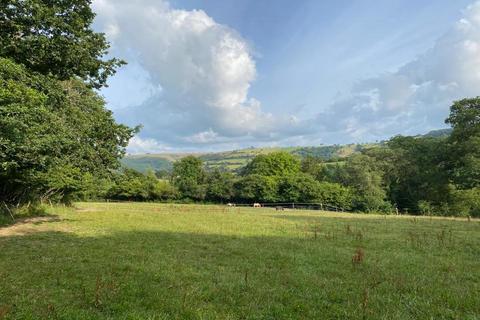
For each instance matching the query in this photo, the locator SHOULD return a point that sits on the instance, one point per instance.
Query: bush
(335, 194)
(298, 188)
(425, 207)
(220, 186)
(465, 203)
(135, 186)
(256, 187)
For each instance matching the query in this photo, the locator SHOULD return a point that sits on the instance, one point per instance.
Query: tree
(220, 186)
(464, 143)
(273, 164)
(162, 174)
(298, 188)
(51, 134)
(189, 176)
(311, 165)
(255, 187)
(414, 171)
(335, 194)
(131, 185)
(55, 37)
(54, 129)
(363, 175)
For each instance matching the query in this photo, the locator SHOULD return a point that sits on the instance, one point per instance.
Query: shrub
(335, 194)
(256, 187)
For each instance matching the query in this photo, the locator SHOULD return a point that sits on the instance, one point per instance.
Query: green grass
(155, 261)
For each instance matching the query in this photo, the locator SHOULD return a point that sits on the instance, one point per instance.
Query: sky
(211, 75)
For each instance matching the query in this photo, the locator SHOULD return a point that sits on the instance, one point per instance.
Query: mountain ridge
(236, 159)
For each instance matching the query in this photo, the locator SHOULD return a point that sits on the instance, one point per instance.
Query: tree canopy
(54, 127)
(273, 164)
(464, 143)
(51, 133)
(55, 37)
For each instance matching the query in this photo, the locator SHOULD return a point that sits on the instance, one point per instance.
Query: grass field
(157, 261)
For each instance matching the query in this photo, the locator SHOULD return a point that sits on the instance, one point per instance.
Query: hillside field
(236, 159)
(167, 261)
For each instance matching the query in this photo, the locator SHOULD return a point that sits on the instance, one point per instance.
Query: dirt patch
(27, 226)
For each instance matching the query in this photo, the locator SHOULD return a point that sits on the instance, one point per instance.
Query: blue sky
(216, 75)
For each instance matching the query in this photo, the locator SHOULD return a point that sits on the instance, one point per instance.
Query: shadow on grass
(26, 214)
(174, 275)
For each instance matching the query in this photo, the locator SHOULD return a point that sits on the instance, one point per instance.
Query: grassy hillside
(233, 160)
(154, 261)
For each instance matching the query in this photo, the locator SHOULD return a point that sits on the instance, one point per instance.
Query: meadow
(169, 261)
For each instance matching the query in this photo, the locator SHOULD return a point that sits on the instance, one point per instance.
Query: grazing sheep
(279, 208)
(257, 205)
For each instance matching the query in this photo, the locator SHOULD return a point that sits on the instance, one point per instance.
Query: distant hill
(438, 133)
(236, 159)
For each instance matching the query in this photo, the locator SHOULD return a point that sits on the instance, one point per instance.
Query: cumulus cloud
(416, 98)
(204, 70)
(139, 145)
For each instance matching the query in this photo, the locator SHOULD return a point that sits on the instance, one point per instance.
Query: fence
(297, 206)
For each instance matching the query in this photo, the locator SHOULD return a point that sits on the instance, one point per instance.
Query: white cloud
(201, 73)
(208, 136)
(416, 98)
(204, 69)
(139, 145)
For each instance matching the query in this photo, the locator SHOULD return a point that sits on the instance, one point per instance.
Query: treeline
(417, 175)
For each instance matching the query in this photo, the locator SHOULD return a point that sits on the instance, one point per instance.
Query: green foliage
(55, 133)
(465, 203)
(93, 188)
(414, 170)
(162, 174)
(273, 164)
(55, 37)
(336, 195)
(312, 166)
(189, 177)
(51, 134)
(220, 186)
(362, 174)
(464, 143)
(425, 207)
(255, 187)
(132, 185)
(298, 188)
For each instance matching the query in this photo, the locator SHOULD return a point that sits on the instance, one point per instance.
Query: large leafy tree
(298, 188)
(55, 37)
(52, 133)
(365, 177)
(54, 128)
(255, 187)
(273, 164)
(416, 171)
(220, 186)
(464, 143)
(189, 177)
